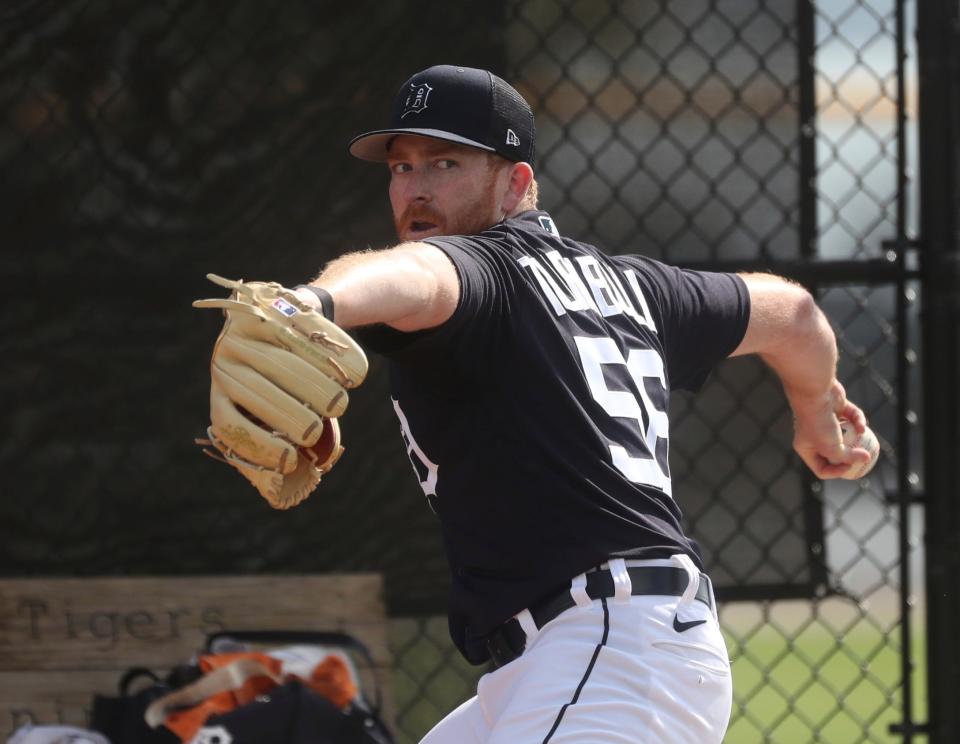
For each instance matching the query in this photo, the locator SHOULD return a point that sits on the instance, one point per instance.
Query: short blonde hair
(531, 198)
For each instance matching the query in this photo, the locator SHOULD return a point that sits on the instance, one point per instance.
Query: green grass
(821, 686)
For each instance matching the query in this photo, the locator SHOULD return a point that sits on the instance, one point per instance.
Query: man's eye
(446, 163)
(400, 168)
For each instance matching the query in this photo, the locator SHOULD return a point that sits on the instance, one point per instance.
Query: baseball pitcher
(531, 375)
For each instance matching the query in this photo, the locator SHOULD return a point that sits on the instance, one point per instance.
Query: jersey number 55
(640, 365)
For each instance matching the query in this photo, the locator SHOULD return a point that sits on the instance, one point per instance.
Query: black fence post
(939, 119)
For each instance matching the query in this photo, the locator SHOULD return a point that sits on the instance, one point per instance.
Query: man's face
(441, 188)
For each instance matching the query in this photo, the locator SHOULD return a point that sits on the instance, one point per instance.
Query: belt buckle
(500, 649)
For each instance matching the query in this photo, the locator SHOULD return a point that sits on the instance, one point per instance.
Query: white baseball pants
(608, 671)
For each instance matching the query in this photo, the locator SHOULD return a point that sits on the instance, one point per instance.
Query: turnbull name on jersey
(585, 284)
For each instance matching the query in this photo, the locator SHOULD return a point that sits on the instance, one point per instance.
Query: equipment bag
(292, 712)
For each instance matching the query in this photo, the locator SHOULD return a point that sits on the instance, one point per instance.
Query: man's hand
(817, 437)
(793, 336)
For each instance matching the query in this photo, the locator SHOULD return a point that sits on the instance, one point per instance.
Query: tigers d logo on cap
(464, 105)
(416, 99)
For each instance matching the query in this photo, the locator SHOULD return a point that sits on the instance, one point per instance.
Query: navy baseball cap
(458, 104)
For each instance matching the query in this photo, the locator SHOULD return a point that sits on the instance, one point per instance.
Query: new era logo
(512, 138)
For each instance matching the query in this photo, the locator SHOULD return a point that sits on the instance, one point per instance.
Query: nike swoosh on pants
(680, 627)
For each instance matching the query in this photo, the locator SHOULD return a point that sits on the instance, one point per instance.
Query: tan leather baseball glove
(279, 378)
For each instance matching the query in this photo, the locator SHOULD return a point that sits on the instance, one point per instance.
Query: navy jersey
(535, 417)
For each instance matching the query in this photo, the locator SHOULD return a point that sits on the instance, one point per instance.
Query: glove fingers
(319, 342)
(234, 431)
(272, 313)
(289, 372)
(276, 409)
(328, 348)
(309, 335)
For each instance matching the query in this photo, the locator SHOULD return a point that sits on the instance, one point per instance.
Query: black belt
(508, 641)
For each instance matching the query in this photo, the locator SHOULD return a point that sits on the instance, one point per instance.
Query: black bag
(298, 712)
(292, 714)
(120, 718)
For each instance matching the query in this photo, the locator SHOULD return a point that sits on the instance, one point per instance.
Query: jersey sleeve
(471, 334)
(702, 316)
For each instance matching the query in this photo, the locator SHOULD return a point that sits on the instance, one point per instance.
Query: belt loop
(529, 626)
(693, 577)
(578, 590)
(622, 586)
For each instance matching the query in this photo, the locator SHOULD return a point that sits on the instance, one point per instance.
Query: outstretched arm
(409, 287)
(792, 335)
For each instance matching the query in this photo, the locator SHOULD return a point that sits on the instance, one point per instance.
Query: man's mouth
(419, 221)
(419, 228)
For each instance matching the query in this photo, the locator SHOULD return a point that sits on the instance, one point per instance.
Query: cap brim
(373, 145)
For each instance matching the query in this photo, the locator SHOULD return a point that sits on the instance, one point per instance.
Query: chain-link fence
(145, 144)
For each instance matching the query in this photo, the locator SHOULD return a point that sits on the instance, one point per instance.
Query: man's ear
(520, 177)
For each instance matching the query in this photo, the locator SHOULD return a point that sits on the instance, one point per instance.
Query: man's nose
(418, 188)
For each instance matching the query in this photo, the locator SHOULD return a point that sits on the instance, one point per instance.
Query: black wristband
(326, 301)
